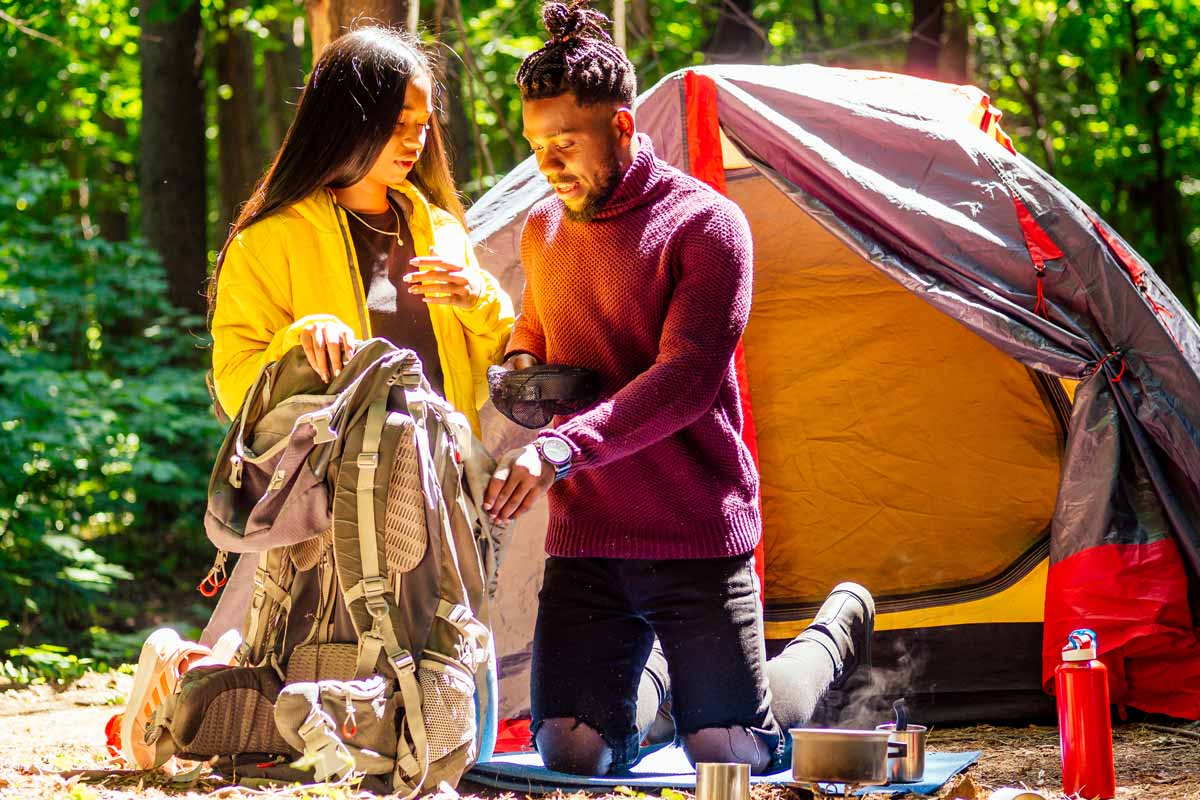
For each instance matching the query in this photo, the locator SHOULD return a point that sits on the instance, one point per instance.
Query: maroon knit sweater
(653, 294)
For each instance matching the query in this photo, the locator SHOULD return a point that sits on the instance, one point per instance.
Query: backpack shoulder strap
(411, 767)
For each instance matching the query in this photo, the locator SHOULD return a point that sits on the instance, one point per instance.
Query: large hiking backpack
(367, 645)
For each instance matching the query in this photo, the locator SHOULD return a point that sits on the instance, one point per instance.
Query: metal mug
(910, 767)
(722, 781)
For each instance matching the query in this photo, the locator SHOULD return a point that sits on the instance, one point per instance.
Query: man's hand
(520, 361)
(443, 282)
(328, 345)
(520, 479)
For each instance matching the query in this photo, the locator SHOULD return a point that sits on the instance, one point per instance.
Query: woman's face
(408, 139)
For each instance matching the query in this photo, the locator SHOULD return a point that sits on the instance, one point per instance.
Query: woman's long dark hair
(345, 116)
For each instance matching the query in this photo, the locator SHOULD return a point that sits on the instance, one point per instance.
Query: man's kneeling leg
(733, 744)
(568, 745)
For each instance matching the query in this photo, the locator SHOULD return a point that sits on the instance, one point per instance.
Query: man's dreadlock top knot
(580, 57)
(564, 21)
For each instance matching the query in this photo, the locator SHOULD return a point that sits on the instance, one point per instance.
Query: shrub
(106, 439)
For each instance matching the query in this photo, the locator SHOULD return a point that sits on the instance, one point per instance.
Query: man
(643, 275)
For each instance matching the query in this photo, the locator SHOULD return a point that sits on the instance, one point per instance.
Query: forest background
(131, 130)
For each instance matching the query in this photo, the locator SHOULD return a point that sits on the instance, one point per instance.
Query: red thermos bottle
(1084, 723)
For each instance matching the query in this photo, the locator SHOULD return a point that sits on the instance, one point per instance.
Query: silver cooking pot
(833, 755)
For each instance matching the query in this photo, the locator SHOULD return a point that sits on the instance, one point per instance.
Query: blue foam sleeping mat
(668, 767)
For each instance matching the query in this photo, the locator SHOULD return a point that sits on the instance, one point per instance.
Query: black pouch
(533, 396)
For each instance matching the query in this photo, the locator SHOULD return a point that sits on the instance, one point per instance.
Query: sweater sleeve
(528, 335)
(711, 256)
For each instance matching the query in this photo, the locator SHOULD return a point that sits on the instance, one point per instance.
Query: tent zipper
(788, 612)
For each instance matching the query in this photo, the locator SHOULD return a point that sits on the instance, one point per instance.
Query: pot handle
(901, 750)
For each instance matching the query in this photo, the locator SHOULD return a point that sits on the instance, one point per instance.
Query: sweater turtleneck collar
(637, 184)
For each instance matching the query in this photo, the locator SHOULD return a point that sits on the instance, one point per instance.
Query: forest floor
(52, 746)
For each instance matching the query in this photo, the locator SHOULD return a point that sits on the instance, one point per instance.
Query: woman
(356, 231)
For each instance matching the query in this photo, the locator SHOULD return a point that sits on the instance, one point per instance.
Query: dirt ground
(52, 746)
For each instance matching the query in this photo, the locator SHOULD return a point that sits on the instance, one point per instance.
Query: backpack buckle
(402, 662)
(235, 471)
(374, 590)
(321, 430)
(410, 373)
(368, 460)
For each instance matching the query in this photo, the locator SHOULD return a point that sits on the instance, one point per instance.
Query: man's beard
(610, 178)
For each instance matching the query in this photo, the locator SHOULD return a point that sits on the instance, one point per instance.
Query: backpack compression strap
(411, 768)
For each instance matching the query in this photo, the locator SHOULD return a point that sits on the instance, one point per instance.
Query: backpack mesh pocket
(307, 554)
(405, 534)
(221, 711)
(319, 662)
(448, 705)
(238, 721)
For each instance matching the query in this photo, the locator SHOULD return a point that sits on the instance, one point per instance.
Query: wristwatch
(556, 453)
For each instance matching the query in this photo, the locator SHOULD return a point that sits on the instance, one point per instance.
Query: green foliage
(43, 664)
(49, 663)
(69, 94)
(105, 433)
(661, 37)
(1102, 94)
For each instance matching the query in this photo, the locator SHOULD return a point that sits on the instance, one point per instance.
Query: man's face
(578, 149)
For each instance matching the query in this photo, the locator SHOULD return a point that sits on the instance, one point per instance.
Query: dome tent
(964, 391)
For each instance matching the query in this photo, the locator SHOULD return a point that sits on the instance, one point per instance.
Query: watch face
(556, 451)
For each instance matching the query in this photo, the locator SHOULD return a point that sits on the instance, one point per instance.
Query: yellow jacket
(298, 266)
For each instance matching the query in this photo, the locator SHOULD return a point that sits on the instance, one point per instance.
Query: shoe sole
(153, 683)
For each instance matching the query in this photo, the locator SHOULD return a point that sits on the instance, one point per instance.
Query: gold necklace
(396, 233)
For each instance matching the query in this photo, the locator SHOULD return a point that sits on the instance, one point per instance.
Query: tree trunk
(283, 77)
(639, 20)
(1022, 66)
(459, 135)
(618, 21)
(925, 42)
(329, 19)
(954, 61)
(173, 199)
(736, 38)
(239, 147)
(111, 214)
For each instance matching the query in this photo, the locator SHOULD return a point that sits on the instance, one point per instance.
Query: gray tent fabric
(895, 170)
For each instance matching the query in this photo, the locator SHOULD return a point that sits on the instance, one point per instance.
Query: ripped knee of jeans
(726, 745)
(568, 745)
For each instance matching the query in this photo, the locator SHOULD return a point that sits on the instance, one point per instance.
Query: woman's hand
(328, 344)
(443, 282)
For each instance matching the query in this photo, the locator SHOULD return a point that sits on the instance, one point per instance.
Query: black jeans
(597, 619)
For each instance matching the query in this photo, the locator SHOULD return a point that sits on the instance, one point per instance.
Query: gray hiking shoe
(846, 619)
